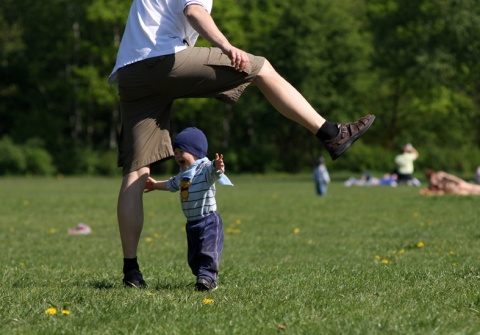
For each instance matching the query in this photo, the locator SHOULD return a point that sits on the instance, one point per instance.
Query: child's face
(183, 158)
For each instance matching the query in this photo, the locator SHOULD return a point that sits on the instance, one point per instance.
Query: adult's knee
(267, 71)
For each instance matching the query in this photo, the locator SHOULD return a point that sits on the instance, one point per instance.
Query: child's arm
(152, 185)
(218, 162)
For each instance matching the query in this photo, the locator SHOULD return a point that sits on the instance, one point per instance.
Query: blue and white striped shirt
(197, 191)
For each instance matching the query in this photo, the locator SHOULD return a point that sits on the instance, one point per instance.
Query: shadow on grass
(158, 286)
(102, 284)
(171, 286)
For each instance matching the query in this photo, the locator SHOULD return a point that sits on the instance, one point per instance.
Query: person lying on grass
(444, 183)
(196, 183)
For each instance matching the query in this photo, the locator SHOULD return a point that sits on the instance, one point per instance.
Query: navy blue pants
(321, 188)
(205, 245)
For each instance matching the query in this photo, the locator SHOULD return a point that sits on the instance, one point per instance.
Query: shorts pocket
(217, 58)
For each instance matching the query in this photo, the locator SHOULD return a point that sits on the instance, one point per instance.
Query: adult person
(404, 165)
(444, 183)
(157, 63)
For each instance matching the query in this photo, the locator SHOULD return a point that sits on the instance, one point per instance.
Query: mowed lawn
(363, 260)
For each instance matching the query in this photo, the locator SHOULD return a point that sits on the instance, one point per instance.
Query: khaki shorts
(148, 88)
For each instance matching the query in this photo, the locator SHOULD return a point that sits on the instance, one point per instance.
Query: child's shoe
(205, 284)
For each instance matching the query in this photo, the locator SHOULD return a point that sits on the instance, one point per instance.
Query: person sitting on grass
(196, 183)
(444, 183)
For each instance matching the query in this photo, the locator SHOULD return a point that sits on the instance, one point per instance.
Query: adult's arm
(204, 24)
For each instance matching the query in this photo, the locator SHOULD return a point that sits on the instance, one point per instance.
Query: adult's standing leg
(130, 222)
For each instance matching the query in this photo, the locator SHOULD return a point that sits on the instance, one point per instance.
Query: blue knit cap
(192, 140)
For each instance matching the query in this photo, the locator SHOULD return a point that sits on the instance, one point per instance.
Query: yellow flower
(51, 311)
(401, 251)
(148, 239)
(53, 230)
(207, 301)
(377, 257)
(296, 230)
(232, 231)
(150, 294)
(237, 222)
(420, 245)
(65, 312)
(452, 252)
(384, 261)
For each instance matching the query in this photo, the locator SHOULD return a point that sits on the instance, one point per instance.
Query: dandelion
(452, 252)
(51, 311)
(237, 222)
(377, 257)
(232, 231)
(454, 264)
(384, 261)
(420, 244)
(296, 230)
(53, 230)
(401, 251)
(207, 301)
(150, 294)
(148, 239)
(65, 312)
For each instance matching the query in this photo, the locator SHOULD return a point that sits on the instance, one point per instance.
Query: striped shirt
(197, 195)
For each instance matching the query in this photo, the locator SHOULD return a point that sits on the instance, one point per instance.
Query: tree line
(413, 63)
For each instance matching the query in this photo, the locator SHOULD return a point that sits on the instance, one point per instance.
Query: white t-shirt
(155, 28)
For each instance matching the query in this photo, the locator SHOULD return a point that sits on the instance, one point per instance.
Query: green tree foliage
(426, 57)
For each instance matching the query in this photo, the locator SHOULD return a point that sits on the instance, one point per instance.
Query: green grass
(293, 263)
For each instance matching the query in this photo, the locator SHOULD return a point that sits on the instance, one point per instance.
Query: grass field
(363, 260)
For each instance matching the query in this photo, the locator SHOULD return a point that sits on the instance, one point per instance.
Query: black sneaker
(348, 133)
(134, 278)
(205, 284)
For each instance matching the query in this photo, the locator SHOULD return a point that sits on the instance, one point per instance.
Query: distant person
(404, 165)
(388, 179)
(321, 177)
(444, 183)
(368, 180)
(477, 175)
(365, 180)
(157, 63)
(196, 184)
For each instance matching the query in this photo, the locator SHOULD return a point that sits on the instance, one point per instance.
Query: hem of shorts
(153, 161)
(237, 93)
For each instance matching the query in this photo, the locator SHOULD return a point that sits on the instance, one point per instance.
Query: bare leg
(286, 99)
(130, 210)
(469, 189)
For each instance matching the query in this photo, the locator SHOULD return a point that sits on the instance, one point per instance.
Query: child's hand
(150, 185)
(219, 162)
